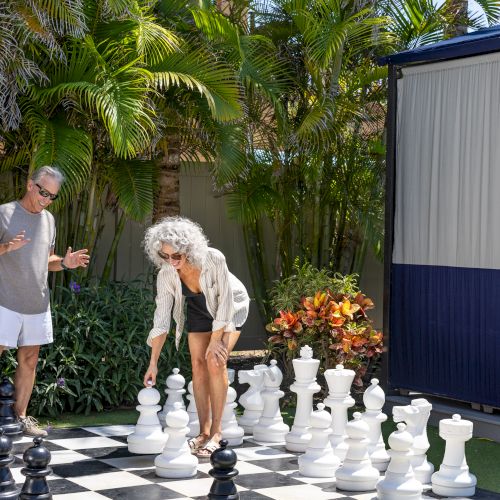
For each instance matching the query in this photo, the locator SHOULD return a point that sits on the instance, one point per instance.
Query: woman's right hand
(150, 376)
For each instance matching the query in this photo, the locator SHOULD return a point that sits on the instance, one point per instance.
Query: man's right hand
(150, 376)
(17, 242)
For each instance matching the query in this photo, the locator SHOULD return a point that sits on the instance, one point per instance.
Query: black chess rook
(37, 459)
(8, 420)
(223, 461)
(8, 488)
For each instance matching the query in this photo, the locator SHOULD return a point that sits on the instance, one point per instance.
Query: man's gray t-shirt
(23, 272)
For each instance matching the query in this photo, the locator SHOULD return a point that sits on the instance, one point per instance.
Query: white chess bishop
(416, 415)
(174, 391)
(176, 460)
(270, 428)
(305, 386)
(339, 400)
(231, 431)
(357, 472)
(148, 437)
(319, 459)
(399, 482)
(251, 400)
(453, 478)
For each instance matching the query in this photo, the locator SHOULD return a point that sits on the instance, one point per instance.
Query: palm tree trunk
(114, 246)
(459, 27)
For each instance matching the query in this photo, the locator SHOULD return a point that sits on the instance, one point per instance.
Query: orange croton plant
(335, 326)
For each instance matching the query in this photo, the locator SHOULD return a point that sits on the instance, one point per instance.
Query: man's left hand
(80, 258)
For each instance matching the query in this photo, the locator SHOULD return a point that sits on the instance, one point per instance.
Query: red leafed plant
(335, 325)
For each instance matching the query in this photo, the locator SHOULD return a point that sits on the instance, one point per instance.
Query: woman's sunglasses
(174, 256)
(43, 192)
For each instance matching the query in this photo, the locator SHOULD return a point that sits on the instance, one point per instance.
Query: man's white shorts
(18, 329)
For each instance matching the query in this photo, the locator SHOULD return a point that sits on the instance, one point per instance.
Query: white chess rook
(270, 428)
(339, 400)
(453, 477)
(399, 482)
(305, 386)
(148, 437)
(231, 431)
(194, 422)
(176, 460)
(357, 472)
(319, 459)
(416, 415)
(374, 399)
(251, 400)
(174, 391)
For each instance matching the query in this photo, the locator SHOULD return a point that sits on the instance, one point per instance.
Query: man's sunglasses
(174, 256)
(43, 192)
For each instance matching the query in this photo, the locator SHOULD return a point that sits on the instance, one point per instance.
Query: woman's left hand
(218, 349)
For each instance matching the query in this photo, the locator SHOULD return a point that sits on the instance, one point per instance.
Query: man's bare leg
(24, 380)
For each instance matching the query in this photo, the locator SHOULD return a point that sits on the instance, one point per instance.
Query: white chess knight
(251, 400)
(453, 477)
(339, 400)
(176, 460)
(194, 422)
(270, 428)
(416, 415)
(399, 482)
(148, 437)
(357, 472)
(174, 391)
(374, 399)
(231, 431)
(319, 459)
(305, 386)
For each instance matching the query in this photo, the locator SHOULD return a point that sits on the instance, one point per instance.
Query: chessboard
(92, 463)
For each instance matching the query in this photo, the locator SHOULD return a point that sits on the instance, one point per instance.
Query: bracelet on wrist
(64, 266)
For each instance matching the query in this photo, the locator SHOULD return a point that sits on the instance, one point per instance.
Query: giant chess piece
(231, 431)
(374, 399)
(416, 416)
(176, 460)
(223, 461)
(251, 400)
(11, 426)
(174, 391)
(148, 437)
(319, 459)
(399, 482)
(37, 459)
(270, 428)
(357, 472)
(339, 400)
(305, 386)
(8, 488)
(194, 421)
(453, 478)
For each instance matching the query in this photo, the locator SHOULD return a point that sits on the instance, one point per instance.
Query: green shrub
(99, 354)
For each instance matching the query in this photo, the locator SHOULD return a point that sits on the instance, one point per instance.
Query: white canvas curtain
(447, 210)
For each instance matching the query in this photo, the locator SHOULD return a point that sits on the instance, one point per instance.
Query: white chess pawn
(148, 437)
(399, 482)
(416, 416)
(319, 459)
(176, 460)
(174, 391)
(374, 399)
(305, 386)
(251, 399)
(270, 428)
(357, 472)
(231, 431)
(194, 422)
(453, 477)
(339, 400)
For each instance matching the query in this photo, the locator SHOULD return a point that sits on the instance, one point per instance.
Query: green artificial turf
(114, 417)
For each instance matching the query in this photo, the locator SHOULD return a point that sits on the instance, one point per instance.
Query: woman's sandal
(207, 450)
(196, 443)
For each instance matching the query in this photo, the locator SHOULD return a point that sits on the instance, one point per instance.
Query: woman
(191, 273)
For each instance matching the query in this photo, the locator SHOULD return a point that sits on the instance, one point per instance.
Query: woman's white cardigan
(226, 296)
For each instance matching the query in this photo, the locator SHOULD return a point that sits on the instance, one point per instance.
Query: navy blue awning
(475, 43)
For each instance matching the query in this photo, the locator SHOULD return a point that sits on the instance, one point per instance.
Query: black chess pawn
(8, 488)
(37, 459)
(8, 420)
(223, 461)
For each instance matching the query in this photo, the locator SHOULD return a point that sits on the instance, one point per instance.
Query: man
(27, 240)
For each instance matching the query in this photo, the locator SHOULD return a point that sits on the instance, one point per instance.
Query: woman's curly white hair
(182, 234)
